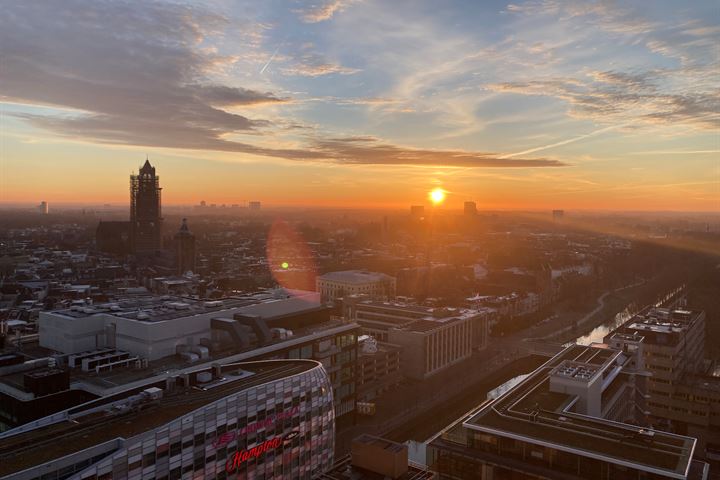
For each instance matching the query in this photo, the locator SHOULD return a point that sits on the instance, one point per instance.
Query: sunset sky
(538, 104)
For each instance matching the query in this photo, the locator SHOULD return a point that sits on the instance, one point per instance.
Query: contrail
(564, 142)
(271, 59)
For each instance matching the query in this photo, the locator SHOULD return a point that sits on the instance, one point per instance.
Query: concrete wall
(70, 335)
(426, 353)
(151, 340)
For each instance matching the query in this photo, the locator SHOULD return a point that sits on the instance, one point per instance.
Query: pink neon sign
(228, 437)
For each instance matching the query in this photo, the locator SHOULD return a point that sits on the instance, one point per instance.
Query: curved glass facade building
(260, 420)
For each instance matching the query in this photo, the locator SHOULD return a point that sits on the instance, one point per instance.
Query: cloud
(124, 75)
(314, 65)
(370, 151)
(322, 12)
(675, 152)
(692, 41)
(130, 73)
(612, 97)
(607, 15)
(385, 105)
(681, 89)
(221, 95)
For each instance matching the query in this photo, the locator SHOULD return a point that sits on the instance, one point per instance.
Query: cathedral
(145, 211)
(143, 233)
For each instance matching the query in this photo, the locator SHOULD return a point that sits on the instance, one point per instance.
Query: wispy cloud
(609, 97)
(315, 65)
(153, 90)
(371, 151)
(125, 86)
(324, 11)
(675, 152)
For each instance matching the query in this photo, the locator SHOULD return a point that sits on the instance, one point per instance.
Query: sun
(437, 196)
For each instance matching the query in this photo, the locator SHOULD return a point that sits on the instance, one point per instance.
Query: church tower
(185, 248)
(145, 211)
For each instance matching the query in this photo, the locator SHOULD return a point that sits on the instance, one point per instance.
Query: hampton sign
(243, 456)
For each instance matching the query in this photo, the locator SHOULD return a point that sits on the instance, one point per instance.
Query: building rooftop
(532, 413)
(157, 308)
(664, 319)
(130, 413)
(575, 370)
(661, 325)
(399, 306)
(409, 311)
(119, 379)
(345, 470)
(354, 277)
(277, 309)
(424, 326)
(154, 308)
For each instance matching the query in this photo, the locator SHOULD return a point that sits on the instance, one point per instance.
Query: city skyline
(527, 105)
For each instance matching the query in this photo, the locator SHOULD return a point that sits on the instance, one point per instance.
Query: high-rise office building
(43, 208)
(558, 214)
(185, 249)
(145, 210)
(683, 396)
(254, 205)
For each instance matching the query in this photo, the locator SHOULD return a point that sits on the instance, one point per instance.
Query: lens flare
(285, 247)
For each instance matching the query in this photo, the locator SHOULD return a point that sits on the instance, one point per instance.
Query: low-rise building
(431, 346)
(375, 458)
(573, 418)
(378, 318)
(355, 282)
(108, 347)
(378, 368)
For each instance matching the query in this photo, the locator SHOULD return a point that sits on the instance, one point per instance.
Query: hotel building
(267, 419)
